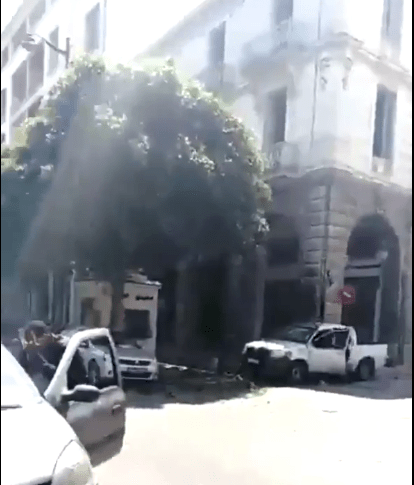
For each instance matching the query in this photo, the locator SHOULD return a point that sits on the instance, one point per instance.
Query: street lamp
(30, 44)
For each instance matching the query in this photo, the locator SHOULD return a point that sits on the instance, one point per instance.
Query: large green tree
(148, 170)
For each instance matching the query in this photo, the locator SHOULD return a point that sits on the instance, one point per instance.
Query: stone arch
(371, 235)
(373, 269)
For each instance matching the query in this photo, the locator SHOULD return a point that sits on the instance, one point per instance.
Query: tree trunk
(227, 302)
(117, 309)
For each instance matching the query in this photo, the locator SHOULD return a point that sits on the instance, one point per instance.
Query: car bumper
(277, 368)
(140, 373)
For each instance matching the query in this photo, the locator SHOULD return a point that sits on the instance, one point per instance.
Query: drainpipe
(105, 25)
(50, 295)
(72, 299)
(325, 248)
(315, 81)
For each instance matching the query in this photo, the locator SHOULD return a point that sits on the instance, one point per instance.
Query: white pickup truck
(302, 350)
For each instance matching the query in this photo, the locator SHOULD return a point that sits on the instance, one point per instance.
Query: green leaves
(146, 160)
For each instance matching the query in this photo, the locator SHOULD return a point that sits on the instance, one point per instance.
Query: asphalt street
(280, 436)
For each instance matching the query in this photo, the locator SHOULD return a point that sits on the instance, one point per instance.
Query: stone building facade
(330, 100)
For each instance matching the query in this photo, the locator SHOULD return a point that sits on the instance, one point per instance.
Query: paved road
(281, 437)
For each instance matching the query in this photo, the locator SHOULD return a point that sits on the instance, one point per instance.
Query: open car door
(327, 352)
(92, 402)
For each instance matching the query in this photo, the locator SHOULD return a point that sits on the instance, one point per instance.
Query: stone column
(331, 214)
(314, 221)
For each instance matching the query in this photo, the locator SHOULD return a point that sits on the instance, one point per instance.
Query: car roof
(332, 326)
(309, 325)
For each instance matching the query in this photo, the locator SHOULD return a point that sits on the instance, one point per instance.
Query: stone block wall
(327, 205)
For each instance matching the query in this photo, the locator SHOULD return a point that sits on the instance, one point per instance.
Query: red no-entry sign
(346, 295)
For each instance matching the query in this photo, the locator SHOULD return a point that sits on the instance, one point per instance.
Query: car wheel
(366, 370)
(298, 373)
(94, 373)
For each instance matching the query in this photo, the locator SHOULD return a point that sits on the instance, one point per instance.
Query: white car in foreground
(38, 447)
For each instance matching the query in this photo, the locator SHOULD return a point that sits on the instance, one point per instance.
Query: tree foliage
(148, 169)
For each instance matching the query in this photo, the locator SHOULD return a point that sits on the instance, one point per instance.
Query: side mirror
(82, 393)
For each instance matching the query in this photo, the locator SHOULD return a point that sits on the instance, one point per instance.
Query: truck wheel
(299, 373)
(366, 370)
(94, 373)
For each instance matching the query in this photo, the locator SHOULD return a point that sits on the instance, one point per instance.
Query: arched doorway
(373, 269)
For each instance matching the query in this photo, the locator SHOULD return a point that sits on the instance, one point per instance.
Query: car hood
(128, 350)
(275, 345)
(32, 438)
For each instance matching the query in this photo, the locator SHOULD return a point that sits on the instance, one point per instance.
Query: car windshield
(17, 390)
(300, 335)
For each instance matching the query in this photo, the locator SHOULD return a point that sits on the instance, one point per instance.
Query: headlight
(73, 466)
(278, 354)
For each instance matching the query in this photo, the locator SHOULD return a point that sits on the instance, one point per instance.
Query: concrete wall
(327, 123)
(102, 300)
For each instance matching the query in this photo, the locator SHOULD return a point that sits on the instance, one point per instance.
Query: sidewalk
(398, 372)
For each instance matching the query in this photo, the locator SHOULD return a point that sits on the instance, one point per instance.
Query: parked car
(95, 413)
(299, 351)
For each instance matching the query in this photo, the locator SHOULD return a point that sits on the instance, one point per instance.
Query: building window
(3, 105)
(37, 13)
(36, 69)
(19, 37)
(392, 22)
(53, 55)
(4, 56)
(19, 87)
(278, 107)
(214, 72)
(283, 10)
(385, 112)
(217, 46)
(92, 29)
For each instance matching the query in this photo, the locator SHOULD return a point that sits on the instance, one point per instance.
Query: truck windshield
(300, 335)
